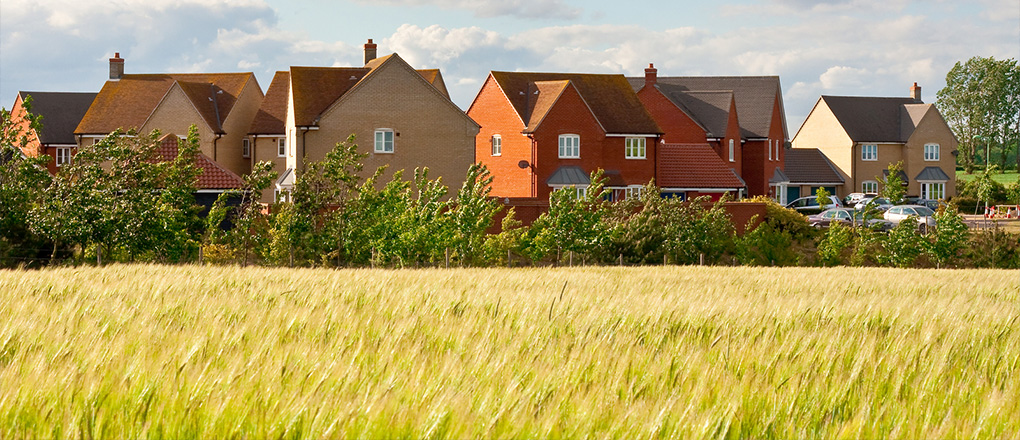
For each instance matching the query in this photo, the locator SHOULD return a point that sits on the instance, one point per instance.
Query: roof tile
(693, 166)
(212, 175)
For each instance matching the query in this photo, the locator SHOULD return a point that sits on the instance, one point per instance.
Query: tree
(472, 214)
(575, 221)
(947, 238)
(981, 103)
(893, 188)
(22, 181)
(822, 197)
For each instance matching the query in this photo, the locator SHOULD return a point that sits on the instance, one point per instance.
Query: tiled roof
(778, 176)
(610, 97)
(272, 115)
(128, 102)
(212, 175)
(932, 174)
(710, 109)
(874, 119)
(809, 165)
(693, 166)
(315, 89)
(754, 96)
(61, 112)
(435, 77)
(568, 175)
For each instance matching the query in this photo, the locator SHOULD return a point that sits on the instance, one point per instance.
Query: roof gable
(609, 97)
(130, 101)
(709, 109)
(61, 112)
(272, 115)
(874, 119)
(545, 94)
(755, 96)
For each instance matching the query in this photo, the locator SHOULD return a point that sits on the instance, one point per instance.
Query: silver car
(924, 215)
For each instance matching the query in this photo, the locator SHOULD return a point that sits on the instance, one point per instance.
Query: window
(281, 147)
(570, 146)
(934, 191)
(579, 192)
(384, 140)
(777, 148)
(731, 151)
(632, 192)
(931, 152)
(497, 145)
(635, 148)
(245, 147)
(770, 149)
(869, 152)
(869, 187)
(63, 156)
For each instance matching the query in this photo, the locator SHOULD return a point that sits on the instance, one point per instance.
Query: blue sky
(831, 47)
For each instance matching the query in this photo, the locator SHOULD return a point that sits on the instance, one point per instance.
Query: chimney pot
(116, 67)
(915, 92)
(651, 75)
(370, 51)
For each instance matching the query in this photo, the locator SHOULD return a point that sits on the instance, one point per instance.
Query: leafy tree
(472, 214)
(22, 181)
(837, 239)
(893, 188)
(250, 230)
(948, 237)
(635, 229)
(766, 245)
(693, 232)
(575, 222)
(822, 197)
(981, 103)
(903, 245)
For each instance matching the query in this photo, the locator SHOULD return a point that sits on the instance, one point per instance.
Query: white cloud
(545, 9)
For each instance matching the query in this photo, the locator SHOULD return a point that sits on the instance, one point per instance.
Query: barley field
(676, 352)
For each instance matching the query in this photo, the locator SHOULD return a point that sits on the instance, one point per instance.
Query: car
(852, 198)
(848, 217)
(809, 205)
(924, 215)
(933, 204)
(878, 203)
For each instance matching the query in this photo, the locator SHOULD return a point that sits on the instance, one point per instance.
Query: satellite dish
(523, 164)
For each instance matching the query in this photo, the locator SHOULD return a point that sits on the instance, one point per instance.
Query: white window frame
(281, 147)
(931, 152)
(869, 148)
(245, 147)
(496, 142)
(770, 149)
(636, 148)
(869, 183)
(632, 192)
(570, 146)
(580, 191)
(732, 157)
(928, 188)
(384, 146)
(777, 149)
(62, 156)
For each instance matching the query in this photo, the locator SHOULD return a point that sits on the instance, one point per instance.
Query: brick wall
(496, 116)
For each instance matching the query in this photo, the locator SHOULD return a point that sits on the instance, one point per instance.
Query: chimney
(650, 75)
(116, 67)
(915, 92)
(370, 51)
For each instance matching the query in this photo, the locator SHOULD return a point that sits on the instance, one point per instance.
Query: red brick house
(545, 131)
(61, 112)
(683, 105)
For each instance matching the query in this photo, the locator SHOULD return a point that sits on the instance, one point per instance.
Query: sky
(817, 47)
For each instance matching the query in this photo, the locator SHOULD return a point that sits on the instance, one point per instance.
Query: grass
(675, 352)
(1006, 178)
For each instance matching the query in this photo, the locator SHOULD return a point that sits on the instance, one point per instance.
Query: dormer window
(384, 140)
(570, 146)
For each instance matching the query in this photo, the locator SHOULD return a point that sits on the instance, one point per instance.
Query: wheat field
(595, 352)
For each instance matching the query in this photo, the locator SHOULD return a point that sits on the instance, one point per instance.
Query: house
(694, 109)
(401, 117)
(862, 136)
(221, 105)
(267, 137)
(60, 112)
(545, 131)
(805, 171)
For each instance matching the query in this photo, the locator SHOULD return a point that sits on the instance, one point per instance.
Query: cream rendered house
(861, 136)
(401, 117)
(220, 105)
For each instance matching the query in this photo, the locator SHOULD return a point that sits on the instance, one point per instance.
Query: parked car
(933, 204)
(852, 198)
(848, 217)
(924, 215)
(878, 203)
(809, 205)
